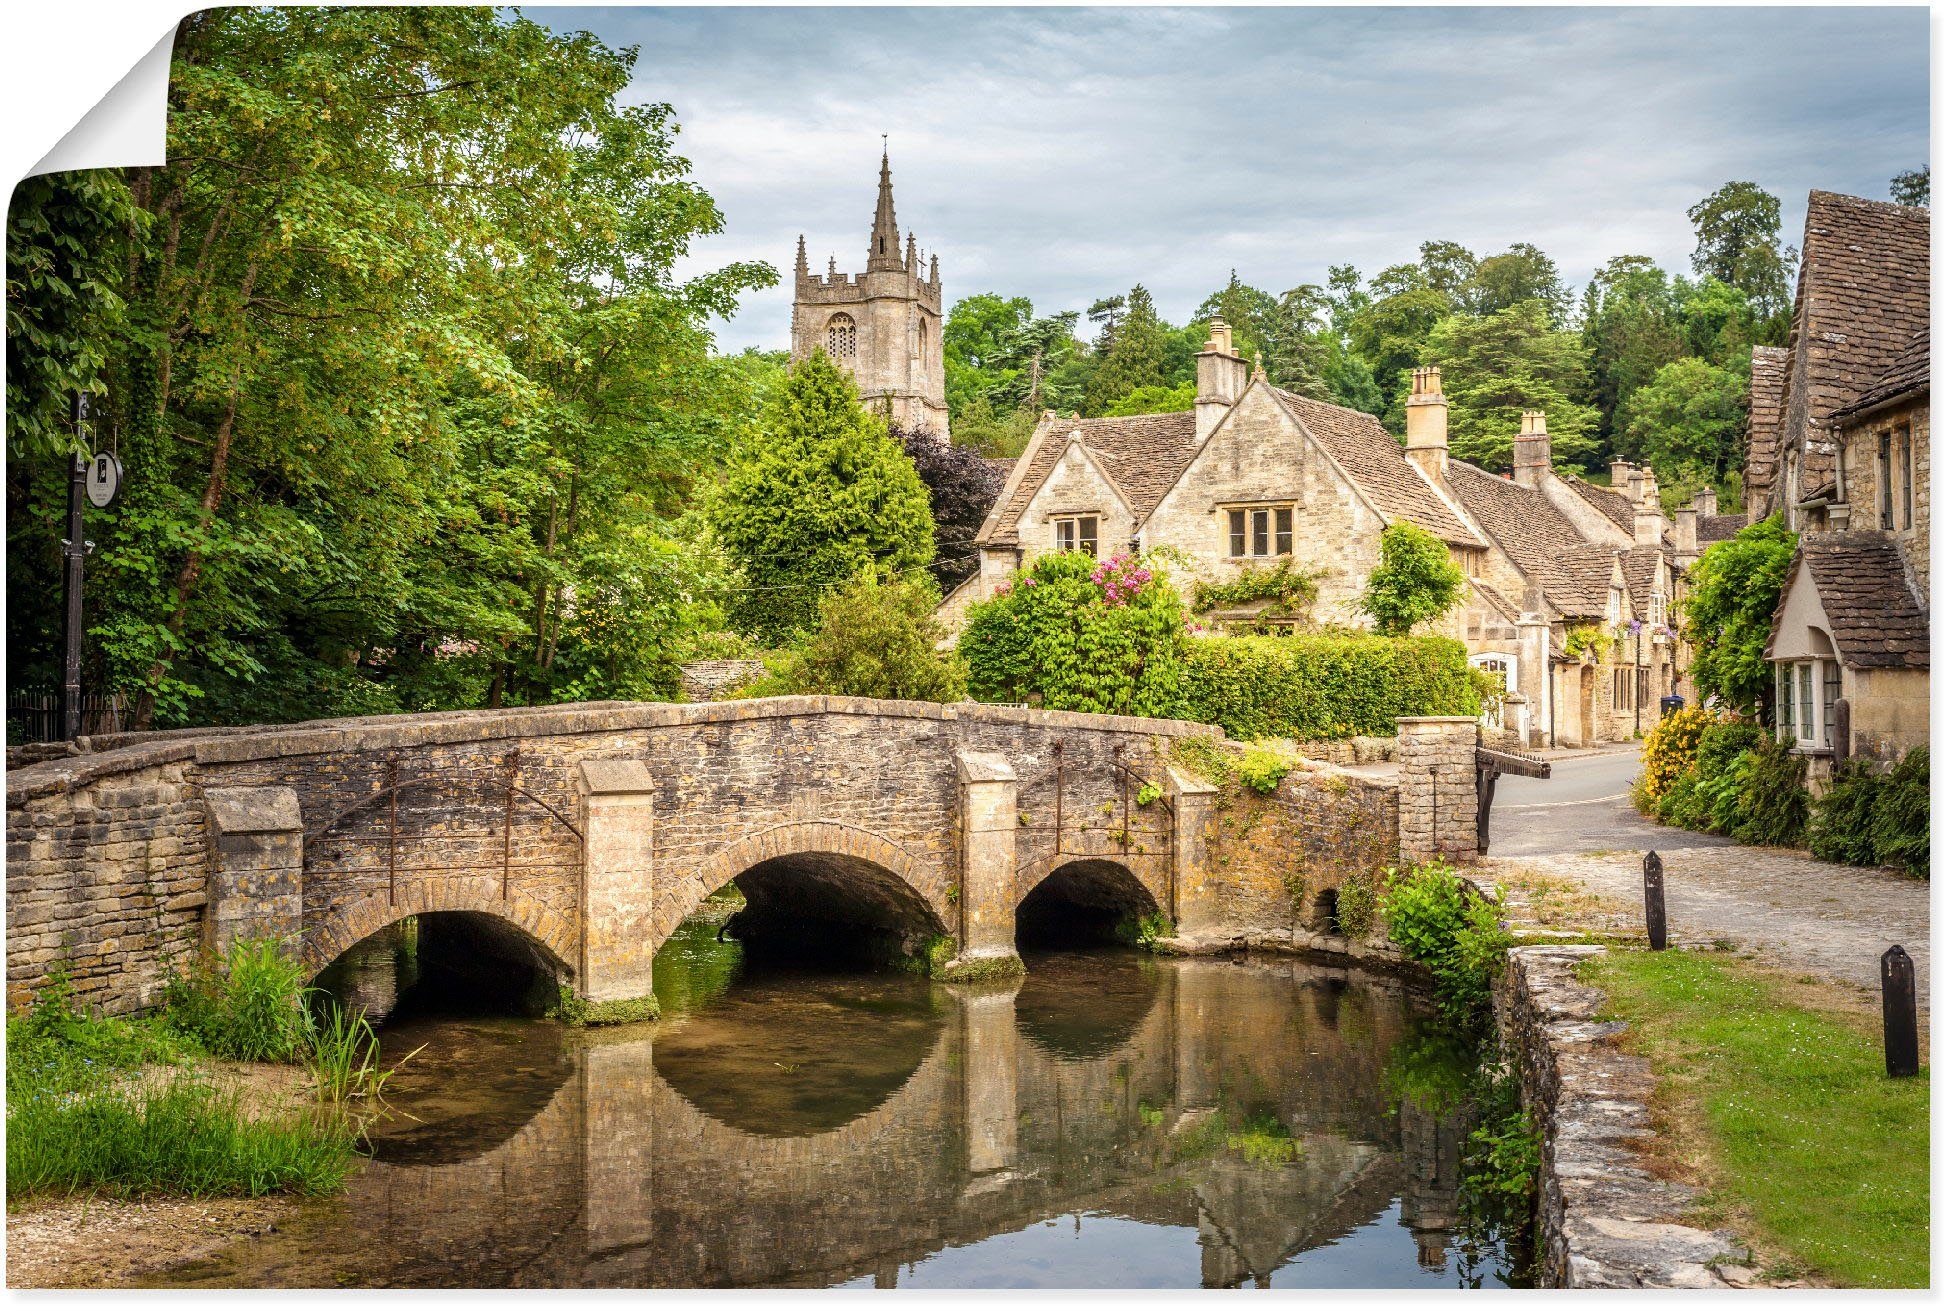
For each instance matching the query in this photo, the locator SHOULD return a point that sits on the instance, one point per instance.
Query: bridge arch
(1082, 900)
(554, 936)
(816, 873)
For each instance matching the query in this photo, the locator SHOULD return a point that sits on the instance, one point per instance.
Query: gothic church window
(840, 337)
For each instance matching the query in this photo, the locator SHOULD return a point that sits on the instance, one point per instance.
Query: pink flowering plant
(1076, 633)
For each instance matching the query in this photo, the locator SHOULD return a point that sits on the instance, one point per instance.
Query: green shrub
(1774, 804)
(1839, 820)
(1437, 920)
(1325, 685)
(1292, 590)
(246, 1004)
(57, 1046)
(1721, 794)
(1721, 742)
(1356, 905)
(1075, 633)
(1415, 579)
(1900, 823)
(1262, 769)
(1679, 803)
(874, 638)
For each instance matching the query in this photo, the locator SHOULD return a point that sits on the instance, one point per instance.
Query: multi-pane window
(1886, 516)
(840, 337)
(1080, 533)
(1806, 692)
(1904, 479)
(1623, 689)
(1261, 531)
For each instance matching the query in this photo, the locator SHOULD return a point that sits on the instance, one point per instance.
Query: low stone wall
(1604, 1221)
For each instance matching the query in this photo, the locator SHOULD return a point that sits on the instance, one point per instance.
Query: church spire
(884, 228)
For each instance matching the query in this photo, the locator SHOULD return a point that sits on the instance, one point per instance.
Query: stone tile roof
(1641, 565)
(1768, 388)
(1718, 527)
(1377, 464)
(1875, 619)
(1863, 292)
(1535, 536)
(1590, 569)
(1142, 454)
(1614, 505)
(1907, 375)
(1496, 599)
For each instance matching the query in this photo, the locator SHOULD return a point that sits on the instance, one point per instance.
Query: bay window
(1806, 692)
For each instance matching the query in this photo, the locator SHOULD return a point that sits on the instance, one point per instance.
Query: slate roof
(1614, 505)
(1875, 619)
(1768, 388)
(1142, 454)
(1640, 565)
(1907, 375)
(1377, 464)
(1863, 292)
(1540, 540)
(1718, 527)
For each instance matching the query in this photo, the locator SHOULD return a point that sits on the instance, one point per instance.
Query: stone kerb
(256, 876)
(1437, 800)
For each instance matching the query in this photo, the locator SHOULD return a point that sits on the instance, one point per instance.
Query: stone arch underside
(819, 884)
(1080, 901)
(516, 926)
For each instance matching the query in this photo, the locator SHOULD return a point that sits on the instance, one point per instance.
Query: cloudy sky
(1065, 154)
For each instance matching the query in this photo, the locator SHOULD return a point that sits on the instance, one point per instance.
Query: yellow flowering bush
(1670, 748)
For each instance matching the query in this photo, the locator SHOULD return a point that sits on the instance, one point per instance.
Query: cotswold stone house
(882, 326)
(1839, 442)
(1570, 583)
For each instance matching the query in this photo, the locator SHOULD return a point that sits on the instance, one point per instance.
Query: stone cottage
(1570, 583)
(1839, 443)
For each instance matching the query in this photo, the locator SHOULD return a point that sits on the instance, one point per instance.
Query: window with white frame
(1081, 532)
(1261, 531)
(1657, 609)
(1806, 692)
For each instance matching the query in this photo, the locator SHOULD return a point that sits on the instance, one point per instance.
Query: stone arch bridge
(595, 829)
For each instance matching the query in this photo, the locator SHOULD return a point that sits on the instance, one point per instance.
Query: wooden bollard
(1899, 1013)
(1656, 902)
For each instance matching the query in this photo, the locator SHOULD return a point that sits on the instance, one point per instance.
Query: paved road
(1582, 807)
(1578, 827)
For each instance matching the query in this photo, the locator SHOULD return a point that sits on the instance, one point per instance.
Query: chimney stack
(1649, 520)
(1531, 450)
(1425, 416)
(1220, 377)
(1619, 471)
(1687, 534)
(1704, 501)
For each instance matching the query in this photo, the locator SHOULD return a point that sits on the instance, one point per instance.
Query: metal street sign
(104, 480)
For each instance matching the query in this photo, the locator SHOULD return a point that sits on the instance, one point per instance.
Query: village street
(1578, 828)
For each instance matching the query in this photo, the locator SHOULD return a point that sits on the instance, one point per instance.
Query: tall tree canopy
(1738, 240)
(1499, 365)
(404, 372)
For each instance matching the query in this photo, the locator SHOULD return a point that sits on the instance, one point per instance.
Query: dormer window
(1261, 531)
(1078, 533)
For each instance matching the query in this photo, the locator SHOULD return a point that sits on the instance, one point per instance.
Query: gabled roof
(1641, 566)
(1907, 375)
(1614, 505)
(1143, 455)
(1371, 458)
(1863, 292)
(1876, 620)
(1718, 527)
(1537, 538)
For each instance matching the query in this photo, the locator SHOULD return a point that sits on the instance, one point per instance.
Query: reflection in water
(1113, 1120)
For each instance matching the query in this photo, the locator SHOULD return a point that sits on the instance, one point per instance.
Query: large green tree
(1687, 422)
(404, 370)
(1738, 239)
(1499, 365)
(1630, 325)
(1135, 357)
(820, 493)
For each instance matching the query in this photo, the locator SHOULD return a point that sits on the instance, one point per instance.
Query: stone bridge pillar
(618, 889)
(256, 875)
(989, 1067)
(988, 864)
(1437, 788)
(1193, 875)
(618, 1091)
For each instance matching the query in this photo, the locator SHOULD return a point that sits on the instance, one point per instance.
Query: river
(1112, 1120)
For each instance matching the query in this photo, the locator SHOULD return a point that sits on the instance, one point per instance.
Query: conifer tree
(1135, 357)
(824, 492)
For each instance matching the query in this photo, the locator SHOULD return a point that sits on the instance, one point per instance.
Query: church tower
(882, 326)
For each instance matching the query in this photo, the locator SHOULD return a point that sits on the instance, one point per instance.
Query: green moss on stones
(572, 1008)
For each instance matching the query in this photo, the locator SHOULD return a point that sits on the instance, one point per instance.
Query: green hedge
(1316, 686)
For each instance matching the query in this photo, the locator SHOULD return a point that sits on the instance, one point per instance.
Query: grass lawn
(1773, 1098)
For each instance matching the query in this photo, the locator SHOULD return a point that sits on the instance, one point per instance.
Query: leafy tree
(1689, 420)
(1501, 364)
(1448, 269)
(1415, 579)
(1075, 633)
(1390, 332)
(1717, 322)
(1245, 308)
(822, 493)
(1135, 356)
(1733, 592)
(1738, 239)
(874, 638)
(962, 485)
(1106, 312)
(994, 433)
(1522, 272)
(1912, 188)
(1155, 400)
(1630, 326)
(976, 343)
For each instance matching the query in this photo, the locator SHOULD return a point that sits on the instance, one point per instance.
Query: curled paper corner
(128, 127)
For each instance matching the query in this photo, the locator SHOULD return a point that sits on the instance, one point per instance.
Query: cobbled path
(1793, 912)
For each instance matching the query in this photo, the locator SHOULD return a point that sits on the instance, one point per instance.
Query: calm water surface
(1112, 1121)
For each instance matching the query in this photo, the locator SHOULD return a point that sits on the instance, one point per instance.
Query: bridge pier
(618, 891)
(1193, 878)
(989, 1065)
(988, 866)
(256, 875)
